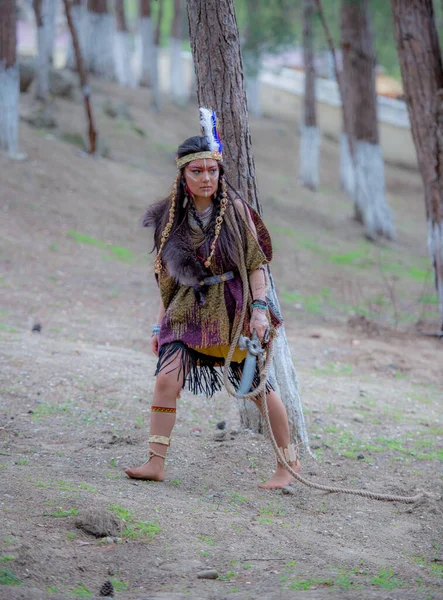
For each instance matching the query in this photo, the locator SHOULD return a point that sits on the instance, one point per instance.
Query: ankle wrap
(160, 439)
(163, 409)
(290, 453)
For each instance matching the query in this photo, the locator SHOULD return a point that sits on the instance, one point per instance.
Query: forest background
(78, 300)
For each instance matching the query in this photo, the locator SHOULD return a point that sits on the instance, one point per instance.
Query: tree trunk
(99, 40)
(422, 74)
(9, 78)
(347, 169)
(220, 84)
(310, 135)
(122, 47)
(178, 94)
(78, 14)
(146, 43)
(252, 58)
(83, 78)
(155, 100)
(41, 19)
(50, 14)
(359, 73)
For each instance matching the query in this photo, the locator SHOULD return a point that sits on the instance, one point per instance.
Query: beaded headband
(184, 160)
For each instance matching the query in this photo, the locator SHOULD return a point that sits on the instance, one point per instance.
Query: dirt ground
(75, 395)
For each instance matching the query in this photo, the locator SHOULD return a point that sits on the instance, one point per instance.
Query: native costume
(201, 289)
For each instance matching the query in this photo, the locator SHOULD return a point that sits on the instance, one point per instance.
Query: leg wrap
(290, 453)
(163, 409)
(160, 439)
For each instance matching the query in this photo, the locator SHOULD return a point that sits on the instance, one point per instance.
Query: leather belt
(218, 278)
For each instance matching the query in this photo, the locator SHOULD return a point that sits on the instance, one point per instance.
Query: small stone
(196, 431)
(220, 436)
(37, 327)
(208, 574)
(358, 418)
(288, 490)
(221, 425)
(360, 456)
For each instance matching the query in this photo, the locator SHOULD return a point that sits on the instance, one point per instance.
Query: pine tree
(9, 78)
(422, 73)
(220, 83)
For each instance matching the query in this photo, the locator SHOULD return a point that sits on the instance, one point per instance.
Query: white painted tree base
(347, 171)
(435, 248)
(370, 191)
(9, 109)
(78, 12)
(310, 157)
(178, 91)
(145, 46)
(42, 71)
(253, 94)
(99, 45)
(123, 59)
(283, 377)
(155, 98)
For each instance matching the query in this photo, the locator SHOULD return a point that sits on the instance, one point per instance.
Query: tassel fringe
(201, 374)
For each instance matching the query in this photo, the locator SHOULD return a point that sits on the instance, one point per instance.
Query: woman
(199, 231)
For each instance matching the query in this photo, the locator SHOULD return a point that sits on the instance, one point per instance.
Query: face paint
(202, 177)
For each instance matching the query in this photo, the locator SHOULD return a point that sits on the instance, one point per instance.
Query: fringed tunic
(201, 335)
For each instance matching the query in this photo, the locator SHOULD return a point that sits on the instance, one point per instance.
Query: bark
(310, 137)
(252, 59)
(220, 84)
(155, 99)
(422, 74)
(92, 132)
(9, 78)
(146, 43)
(99, 40)
(78, 14)
(359, 72)
(178, 93)
(347, 169)
(122, 47)
(43, 62)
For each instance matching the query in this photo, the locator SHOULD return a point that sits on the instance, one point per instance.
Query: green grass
(22, 461)
(6, 558)
(119, 586)
(307, 584)
(7, 328)
(64, 513)
(207, 539)
(7, 577)
(46, 410)
(386, 580)
(81, 591)
(333, 369)
(429, 299)
(116, 252)
(134, 528)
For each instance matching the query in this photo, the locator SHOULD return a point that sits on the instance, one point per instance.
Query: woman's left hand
(259, 322)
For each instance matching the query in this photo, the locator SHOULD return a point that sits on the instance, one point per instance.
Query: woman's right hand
(154, 344)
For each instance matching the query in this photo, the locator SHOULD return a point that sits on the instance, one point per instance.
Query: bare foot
(281, 477)
(153, 470)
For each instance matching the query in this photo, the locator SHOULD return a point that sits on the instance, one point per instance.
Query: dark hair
(226, 240)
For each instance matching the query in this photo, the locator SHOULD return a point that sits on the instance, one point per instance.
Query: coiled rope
(260, 390)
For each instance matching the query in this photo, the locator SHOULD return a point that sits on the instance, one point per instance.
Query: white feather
(206, 123)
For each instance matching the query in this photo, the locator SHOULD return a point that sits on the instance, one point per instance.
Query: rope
(260, 390)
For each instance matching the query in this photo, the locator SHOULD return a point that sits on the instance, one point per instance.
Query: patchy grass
(81, 591)
(71, 512)
(134, 528)
(7, 577)
(386, 580)
(116, 252)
